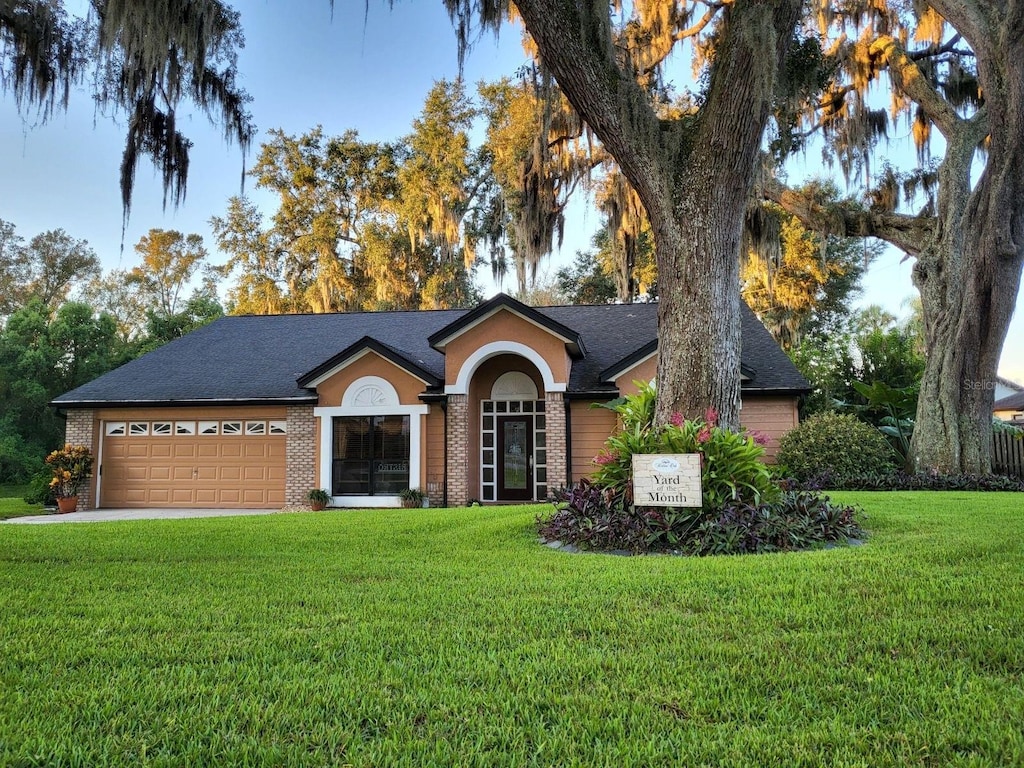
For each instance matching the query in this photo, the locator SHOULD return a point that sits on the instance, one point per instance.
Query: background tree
(161, 328)
(585, 281)
(47, 268)
(56, 263)
(362, 225)
(327, 190)
(540, 152)
(254, 263)
(115, 294)
(169, 261)
(808, 285)
(867, 346)
(41, 356)
(13, 268)
(956, 68)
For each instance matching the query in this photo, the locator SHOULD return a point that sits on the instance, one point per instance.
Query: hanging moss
(146, 59)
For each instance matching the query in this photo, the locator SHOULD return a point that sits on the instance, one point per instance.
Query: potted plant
(412, 497)
(318, 499)
(70, 466)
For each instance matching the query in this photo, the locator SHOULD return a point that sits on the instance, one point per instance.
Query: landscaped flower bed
(744, 509)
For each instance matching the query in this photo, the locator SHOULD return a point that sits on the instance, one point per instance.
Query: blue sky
(366, 68)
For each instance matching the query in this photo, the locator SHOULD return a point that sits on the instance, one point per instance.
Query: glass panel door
(515, 462)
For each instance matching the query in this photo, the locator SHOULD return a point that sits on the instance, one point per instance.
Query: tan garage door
(229, 463)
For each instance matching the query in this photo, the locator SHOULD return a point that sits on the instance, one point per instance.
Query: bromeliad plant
(732, 466)
(71, 467)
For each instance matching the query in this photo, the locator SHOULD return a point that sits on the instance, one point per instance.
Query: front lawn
(13, 505)
(450, 637)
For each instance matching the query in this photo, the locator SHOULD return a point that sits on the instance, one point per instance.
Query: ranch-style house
(490, 404)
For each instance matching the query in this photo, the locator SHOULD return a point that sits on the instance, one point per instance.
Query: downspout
(568, 442)
(444, 492)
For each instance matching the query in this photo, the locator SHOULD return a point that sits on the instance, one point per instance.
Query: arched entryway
(500, 426)
(508, 408)
(513, 446)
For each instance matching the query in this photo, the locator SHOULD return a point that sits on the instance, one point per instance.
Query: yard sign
(666, 480)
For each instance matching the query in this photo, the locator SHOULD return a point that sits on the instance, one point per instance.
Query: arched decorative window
(370, 392)
(514, 385)
(370, 444)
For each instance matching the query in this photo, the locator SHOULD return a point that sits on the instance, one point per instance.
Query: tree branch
(909, 233)
(681, 35)
(575, 42)
(908, 78)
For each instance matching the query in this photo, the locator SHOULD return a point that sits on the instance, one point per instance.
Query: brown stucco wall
(506, 326)
(772, 415)
(645, 371)
(590, 428)
(433, 459)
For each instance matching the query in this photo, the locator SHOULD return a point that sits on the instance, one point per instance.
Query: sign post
(667, 480)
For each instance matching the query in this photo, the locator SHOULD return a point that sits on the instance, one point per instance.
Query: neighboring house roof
(264, 359)
(1010, 384)
(1011, 403)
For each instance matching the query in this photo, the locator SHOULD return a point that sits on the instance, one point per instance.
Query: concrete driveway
(108, 515)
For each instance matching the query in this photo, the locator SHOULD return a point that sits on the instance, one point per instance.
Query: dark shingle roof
(1010, 403)
(259, 359)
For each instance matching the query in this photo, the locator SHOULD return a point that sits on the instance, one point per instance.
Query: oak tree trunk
(969, 276)
(693, 176)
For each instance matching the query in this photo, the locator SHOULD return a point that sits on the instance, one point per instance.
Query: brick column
(458, 450)
(300, 455)
(554, 409)
(80, 429)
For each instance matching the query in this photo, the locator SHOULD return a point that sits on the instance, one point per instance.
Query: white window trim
(326, 414)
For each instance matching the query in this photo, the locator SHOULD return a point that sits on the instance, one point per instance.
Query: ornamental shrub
(70, 466)
(592, 519)
(732, 466)
(744, 509)
(835, 443)
(902, 481)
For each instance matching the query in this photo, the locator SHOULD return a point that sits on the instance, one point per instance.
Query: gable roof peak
(502, 301)
(366, 344)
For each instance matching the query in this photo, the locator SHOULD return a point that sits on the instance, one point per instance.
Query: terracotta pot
(317, 506)
(67, 504)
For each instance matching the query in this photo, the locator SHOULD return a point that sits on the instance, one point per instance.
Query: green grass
(450, 637)
(13, 505)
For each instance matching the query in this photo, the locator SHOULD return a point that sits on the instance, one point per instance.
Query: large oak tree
(957, 67)
(692, 172)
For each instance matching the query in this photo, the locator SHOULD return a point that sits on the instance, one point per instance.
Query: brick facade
(300, 455)
(554, 409)
(458, 450)
(80, 429)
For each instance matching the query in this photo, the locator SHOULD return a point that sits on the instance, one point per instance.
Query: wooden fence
(1008, 454)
